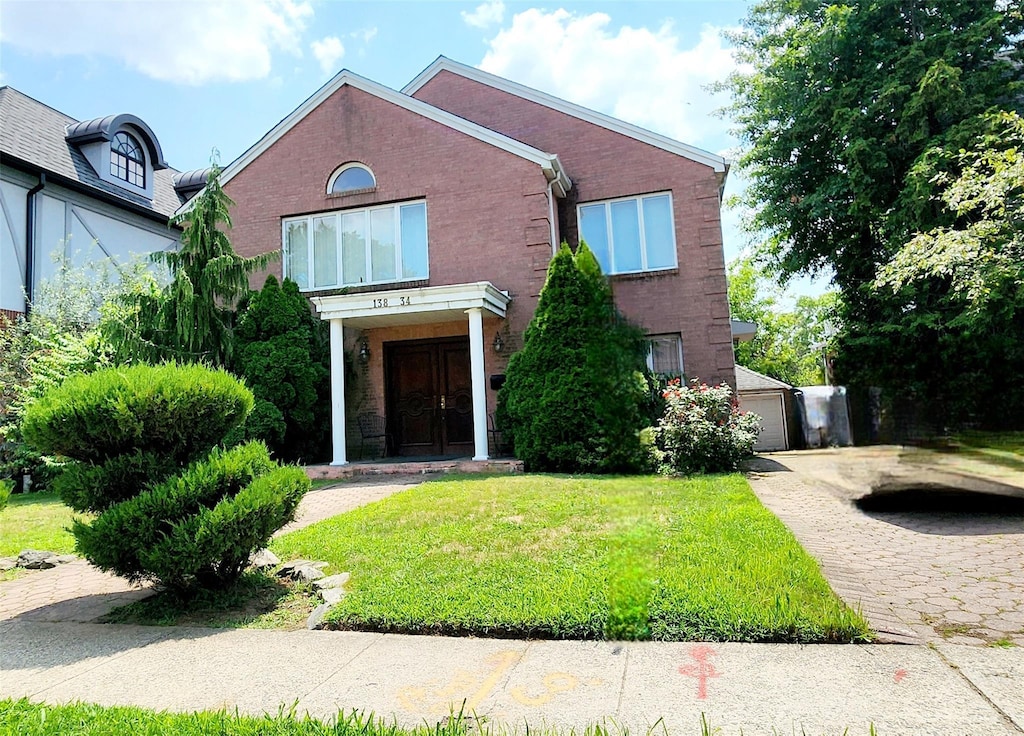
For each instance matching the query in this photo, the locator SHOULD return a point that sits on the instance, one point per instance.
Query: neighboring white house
(92, 191)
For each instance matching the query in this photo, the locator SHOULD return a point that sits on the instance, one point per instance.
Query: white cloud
(192, 43)
(328, 51)
(365, 34)
(640, 75)
(486, 14)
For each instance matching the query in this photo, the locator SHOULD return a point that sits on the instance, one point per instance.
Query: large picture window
(630, 235)
(377, 245)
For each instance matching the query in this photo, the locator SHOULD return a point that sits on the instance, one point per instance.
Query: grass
(588, 558)
(257, 601)
(79, 719)
(999, 448)
(34, 521)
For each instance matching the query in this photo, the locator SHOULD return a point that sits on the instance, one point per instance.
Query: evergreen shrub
(282, 350)
(702, 430)
(573, 397)
(135, 428)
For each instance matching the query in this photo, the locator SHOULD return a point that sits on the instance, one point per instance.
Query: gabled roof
(34, 134)
(748, 380)
(657, 140)
(548, 162)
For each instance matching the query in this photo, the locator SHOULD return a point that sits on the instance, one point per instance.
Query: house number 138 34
(403, 301)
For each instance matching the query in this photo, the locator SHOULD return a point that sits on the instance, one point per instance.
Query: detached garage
(772, 400)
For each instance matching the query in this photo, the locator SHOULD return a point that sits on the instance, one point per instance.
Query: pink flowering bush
(702, 430)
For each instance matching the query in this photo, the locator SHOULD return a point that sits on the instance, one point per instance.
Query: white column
(338, 392)
(476, 365)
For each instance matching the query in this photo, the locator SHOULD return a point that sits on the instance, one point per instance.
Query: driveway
(924, 564)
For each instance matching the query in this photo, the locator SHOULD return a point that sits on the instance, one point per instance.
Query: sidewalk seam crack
(1005, 716)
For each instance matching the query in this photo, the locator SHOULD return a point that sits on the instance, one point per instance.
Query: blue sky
(221, 73)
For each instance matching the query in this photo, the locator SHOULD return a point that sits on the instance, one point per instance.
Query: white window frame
(341, 170)
(337, 214)
(643, 238)
(679, 347)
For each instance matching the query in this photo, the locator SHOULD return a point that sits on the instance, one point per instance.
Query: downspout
(551, 216)
(30, 239)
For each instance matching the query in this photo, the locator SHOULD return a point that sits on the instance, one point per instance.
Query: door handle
(442, 403)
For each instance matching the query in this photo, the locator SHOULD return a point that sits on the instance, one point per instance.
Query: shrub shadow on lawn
(257, 600)
(946, 511)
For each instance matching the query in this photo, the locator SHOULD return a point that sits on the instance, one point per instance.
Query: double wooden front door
(429, 395)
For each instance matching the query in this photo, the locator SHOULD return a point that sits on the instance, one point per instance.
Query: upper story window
(127, 162)
(631, 234)
(374, 245)
(351, 178)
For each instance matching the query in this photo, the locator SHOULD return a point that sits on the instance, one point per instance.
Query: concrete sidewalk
(753, 688)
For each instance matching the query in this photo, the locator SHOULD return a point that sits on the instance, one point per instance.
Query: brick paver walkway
(78, 592)
(917, 576)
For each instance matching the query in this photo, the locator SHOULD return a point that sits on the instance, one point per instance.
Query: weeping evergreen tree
(189, 319)
(573, 395)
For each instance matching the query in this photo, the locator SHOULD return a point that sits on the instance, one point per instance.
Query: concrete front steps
(410, 466)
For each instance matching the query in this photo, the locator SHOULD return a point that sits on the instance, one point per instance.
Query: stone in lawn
(32, 559)
(306, 574)
(7, 563)
(333, 581)
(316, 619)
(65, 559)
(332, 595)
(286, 569)
(264, 559)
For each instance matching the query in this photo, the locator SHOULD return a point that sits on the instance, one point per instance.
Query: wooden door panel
(458, 392)
(418, 376)
(413, 383)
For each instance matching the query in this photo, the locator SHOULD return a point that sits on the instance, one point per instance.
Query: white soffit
(657, 140)
(549, 163)
(412, 306)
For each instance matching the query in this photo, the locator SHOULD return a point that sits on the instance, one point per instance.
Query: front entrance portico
(416, 306)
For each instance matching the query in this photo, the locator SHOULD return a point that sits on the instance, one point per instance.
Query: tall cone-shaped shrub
(172, 507)
(572, 397)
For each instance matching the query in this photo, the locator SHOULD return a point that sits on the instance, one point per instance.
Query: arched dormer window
(127, 162)
(351, 178)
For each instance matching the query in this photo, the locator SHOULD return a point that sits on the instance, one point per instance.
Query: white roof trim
(657, 140)
(549, 163)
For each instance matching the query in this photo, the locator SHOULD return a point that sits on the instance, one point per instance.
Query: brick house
(421, 224)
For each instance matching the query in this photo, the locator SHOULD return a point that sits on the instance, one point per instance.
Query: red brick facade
(488, 213)
(604, 164)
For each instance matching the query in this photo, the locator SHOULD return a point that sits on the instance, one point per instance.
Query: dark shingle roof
(35, 133)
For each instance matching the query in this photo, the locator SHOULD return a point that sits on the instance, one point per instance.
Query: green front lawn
(35, 521)
(549, 556)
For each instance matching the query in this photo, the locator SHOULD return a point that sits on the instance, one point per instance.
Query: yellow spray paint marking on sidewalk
(556, 682)
(439, 697)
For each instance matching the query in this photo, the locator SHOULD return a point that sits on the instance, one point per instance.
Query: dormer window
(351, 178)
(126, 160)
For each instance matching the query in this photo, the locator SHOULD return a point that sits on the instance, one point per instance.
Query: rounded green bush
(197, 528)
(95, 487)
(179, 411)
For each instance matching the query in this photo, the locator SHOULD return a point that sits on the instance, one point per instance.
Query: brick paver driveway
(79, 592)
(919, 574)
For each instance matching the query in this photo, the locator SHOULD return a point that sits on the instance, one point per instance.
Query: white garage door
(773, 420)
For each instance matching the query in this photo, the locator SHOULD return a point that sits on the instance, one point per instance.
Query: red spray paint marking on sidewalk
(702, 670)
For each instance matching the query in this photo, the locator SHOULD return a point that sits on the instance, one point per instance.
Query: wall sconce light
(498, 343)
(364, 350)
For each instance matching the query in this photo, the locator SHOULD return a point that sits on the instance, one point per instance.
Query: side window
(666, 355)
(630, 235)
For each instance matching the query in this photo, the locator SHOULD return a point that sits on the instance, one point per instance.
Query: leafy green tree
(190, 319)
(849, 113)
(965, 283)
(283, 352)
(789, 345)
(573, 395)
